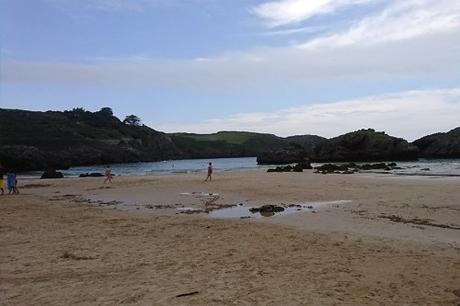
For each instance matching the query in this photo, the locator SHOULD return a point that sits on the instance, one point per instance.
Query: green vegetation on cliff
(238, 144)
(225, 144)
(440, 145)
(37, 140)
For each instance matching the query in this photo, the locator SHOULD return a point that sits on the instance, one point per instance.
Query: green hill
(38, 140)
(237, 144)
(440, 145)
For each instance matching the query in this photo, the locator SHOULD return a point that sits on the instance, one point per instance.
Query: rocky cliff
(39, 140)
(364, 145)
(440, 145)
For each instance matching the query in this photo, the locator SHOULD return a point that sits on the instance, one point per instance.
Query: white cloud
(432, 55)
(410, 115)
(284, 12)
(294, 31)
(413, 38)
(402, 20)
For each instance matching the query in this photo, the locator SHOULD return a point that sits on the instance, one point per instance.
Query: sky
(286, 67)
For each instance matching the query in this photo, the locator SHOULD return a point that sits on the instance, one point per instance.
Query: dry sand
(59, 249)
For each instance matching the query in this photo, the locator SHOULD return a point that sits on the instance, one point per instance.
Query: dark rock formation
(351, 168)
(364, 145)
(296, 168)
(332, 168)
(40, 140)
(52, 174)
(281, 169)
(308, 142)
(267, 208)
(440, 145)
(304, 165)
(288, 155)
(93, 174)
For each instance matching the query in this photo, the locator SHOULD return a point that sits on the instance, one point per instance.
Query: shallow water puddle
(248, 212)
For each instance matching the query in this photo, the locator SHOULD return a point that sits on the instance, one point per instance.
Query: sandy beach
(367, 240)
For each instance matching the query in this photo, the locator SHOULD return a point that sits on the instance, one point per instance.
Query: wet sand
(395, 243)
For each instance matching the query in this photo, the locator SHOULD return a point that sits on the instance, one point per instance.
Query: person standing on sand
(108, 175)
(209, 173)
(12, 182)
(1, 183)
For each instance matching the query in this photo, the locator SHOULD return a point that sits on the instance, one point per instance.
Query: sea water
(422, 167)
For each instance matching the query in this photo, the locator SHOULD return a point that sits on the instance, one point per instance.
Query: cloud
(285, 12)
(399, 21)
(410, 115)
(414, 38)
(294, 31)
(431, 55)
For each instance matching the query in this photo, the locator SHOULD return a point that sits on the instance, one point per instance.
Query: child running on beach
(108, 175)
(209, 173)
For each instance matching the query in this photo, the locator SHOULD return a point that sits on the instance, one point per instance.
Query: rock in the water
(331, 168)
(267, 209)
(374, 166)
(52, 174)
(305, 165)
(351, 168)
(297, 168)
(93, 174)
(281, 169)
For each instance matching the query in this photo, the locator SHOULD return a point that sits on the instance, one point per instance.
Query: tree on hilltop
(107, 111)
(132, 120)
(80, 110)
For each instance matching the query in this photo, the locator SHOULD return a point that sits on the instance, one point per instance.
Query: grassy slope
(232, 143)
(231, 137)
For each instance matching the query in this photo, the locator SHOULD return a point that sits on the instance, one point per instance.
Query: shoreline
(437, 167)
(59, 249)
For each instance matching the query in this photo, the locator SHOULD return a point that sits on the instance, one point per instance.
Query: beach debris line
(187, 294)
(68, 255)
(418, 221)
(208, 209)
(78, 198)
(159, 206)
(36, 185)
